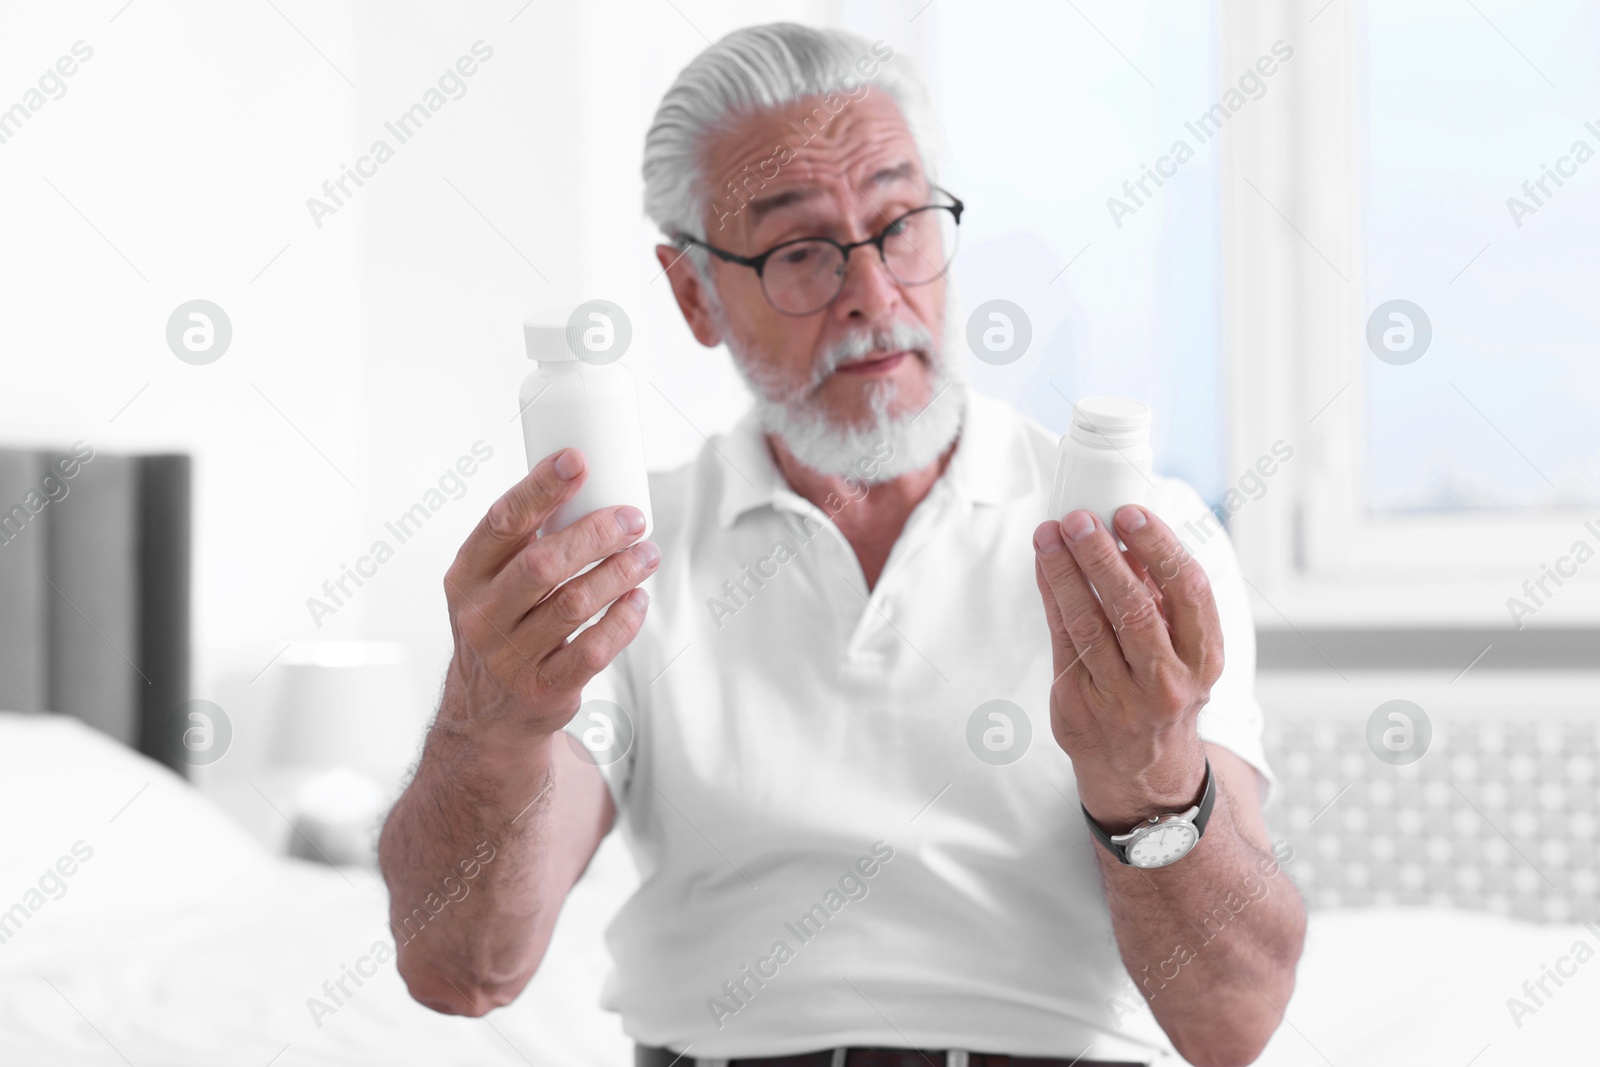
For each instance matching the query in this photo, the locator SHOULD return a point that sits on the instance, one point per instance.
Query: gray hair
(753, 69)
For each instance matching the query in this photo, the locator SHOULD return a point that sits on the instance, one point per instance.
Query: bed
(179, 940)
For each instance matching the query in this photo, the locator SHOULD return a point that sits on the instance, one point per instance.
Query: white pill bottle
(580, 396)
(1104, 460)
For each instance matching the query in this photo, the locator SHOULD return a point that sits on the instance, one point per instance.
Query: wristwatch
(1163, 839)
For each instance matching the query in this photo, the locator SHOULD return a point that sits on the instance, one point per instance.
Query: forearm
(465, 853)
(502, 816)
(1211, 941)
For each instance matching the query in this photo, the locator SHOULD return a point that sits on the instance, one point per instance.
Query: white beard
(916, 438)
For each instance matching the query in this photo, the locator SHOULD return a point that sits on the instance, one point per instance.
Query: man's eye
(896, 228)
(794, 257)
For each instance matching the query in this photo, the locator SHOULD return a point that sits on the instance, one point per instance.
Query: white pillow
(94, 828)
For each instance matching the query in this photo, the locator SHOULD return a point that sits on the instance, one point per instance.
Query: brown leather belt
(648, 1056)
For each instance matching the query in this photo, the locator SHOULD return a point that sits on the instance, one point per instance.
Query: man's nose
(869, 289)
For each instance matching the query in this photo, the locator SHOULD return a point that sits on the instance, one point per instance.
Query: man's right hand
(514, 672)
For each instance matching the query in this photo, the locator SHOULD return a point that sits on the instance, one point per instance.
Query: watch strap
(1208, 799)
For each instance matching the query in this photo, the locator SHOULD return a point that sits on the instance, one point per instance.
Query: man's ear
(690, 292)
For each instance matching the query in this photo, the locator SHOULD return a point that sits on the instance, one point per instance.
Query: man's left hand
(1133, 665)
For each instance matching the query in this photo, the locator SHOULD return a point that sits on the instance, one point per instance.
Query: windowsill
(1426, 648)
(1396, 603)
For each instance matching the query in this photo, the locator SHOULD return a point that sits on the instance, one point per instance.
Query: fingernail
(641, 599)
(630, 519)
(567, 465)
(1078, 525)
(647, 552)
(1047, 539)
(1131, 518)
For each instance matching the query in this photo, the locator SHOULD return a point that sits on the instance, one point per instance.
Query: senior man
(880, 748)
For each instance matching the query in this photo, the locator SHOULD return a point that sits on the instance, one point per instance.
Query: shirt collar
(989, 466)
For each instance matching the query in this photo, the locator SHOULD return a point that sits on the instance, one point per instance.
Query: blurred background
(1360, 299)
(374, 343)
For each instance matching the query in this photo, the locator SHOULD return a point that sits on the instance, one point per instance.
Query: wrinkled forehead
(813, 156)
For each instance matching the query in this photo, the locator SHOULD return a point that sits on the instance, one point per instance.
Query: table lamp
(346, 716)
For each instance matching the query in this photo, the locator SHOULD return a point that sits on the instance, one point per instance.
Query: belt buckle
(953, 1057)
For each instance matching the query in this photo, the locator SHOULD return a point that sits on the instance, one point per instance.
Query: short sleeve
(606, 725)
(1233, 718)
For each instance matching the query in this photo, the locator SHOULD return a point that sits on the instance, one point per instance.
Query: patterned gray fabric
(94, 591)
(24, 633)
(93, 594)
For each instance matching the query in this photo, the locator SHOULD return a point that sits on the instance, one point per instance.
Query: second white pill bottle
(1104, 459)
(580, 396)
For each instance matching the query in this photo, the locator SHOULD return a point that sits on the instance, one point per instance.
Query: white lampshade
(346, 703)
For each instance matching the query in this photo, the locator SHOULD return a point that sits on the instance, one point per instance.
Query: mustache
(858, 344)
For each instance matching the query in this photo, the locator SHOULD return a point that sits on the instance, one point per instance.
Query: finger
(1064, 653)
(535, 572)
(512, 520)
(1080, 616)
(580, 599)
(1138, 622)
(589, 653)
(1191, 606)
(1141, 573)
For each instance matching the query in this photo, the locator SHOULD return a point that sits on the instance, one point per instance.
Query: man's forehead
(782, 157)
(808, 189)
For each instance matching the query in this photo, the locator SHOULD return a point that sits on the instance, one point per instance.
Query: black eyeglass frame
(758, 263)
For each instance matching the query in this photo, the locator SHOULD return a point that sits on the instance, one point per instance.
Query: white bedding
(1391, 986)
(180, 941)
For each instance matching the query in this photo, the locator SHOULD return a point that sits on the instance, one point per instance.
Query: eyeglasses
(805, 275)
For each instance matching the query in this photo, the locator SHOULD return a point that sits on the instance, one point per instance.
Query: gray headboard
(94, 591)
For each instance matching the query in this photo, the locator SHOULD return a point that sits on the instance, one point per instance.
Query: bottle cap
(1117, 420)
(547, 335)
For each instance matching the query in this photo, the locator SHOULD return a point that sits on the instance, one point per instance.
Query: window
(1426, 489)
(1482, 202)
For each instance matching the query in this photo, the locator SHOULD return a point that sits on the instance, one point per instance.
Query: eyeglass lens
(805, 276)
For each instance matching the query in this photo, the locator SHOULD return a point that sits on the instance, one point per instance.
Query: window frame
(1293, 208)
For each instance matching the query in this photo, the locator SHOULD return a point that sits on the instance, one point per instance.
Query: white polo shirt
(851, 821)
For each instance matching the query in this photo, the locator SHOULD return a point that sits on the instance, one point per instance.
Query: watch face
(1162, 845)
